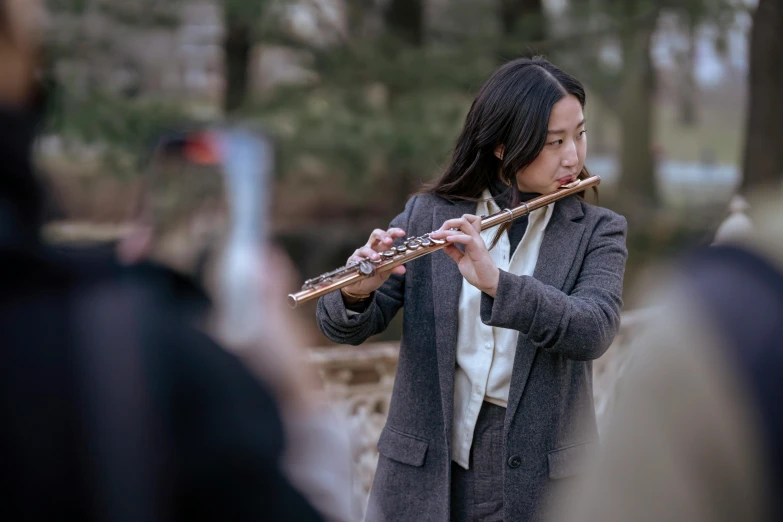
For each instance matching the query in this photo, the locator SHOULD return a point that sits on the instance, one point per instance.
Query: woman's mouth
(565, 180)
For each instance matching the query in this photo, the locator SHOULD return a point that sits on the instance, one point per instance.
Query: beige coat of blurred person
(697, 431)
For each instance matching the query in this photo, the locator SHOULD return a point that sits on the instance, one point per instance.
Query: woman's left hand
(474, 263)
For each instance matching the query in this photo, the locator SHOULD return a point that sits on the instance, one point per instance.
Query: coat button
(514, 462)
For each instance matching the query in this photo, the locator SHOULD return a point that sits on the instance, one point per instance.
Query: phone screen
(206, 200)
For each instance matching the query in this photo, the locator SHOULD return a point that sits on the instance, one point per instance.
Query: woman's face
(563, 155)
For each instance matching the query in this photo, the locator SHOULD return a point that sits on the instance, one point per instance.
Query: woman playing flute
(492, 410)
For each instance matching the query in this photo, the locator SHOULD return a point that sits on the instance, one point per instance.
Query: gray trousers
(477, 493)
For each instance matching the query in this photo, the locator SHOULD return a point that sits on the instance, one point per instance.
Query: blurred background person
(697, 434)
(113, 407)
(200, 232)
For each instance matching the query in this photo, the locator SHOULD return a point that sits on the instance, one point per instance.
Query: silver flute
(415, 247)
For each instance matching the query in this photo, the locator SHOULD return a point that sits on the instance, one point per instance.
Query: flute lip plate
(571, 185)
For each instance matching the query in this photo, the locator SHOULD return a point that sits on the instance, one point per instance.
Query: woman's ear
(499, 149)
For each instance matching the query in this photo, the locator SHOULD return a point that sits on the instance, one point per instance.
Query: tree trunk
(405, 24)
(237, 46)
(688, 86)
(637, 164)
(405, 21)
(356, 12)
(763, 165)
(522, 24)
(524, 18)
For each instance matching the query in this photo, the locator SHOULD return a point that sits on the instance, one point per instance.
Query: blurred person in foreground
(112, 407)
(201, 223)
(697, 434)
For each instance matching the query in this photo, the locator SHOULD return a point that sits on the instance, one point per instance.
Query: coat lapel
(556, 258)
(446, 289)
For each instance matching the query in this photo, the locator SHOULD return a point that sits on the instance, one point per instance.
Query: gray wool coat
(567, 314)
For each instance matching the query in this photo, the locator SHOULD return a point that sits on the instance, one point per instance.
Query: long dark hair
(511, 109)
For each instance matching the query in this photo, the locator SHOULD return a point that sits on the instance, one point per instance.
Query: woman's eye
(584, 131)
(556, 142)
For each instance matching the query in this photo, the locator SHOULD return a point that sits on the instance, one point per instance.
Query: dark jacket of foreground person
(111, 406)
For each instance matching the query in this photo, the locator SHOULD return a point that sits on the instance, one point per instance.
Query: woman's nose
(570, 157)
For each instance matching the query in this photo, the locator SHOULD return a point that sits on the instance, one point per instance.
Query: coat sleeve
(340, 327)
(581, 325)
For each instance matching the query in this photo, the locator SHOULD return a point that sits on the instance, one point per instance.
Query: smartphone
(206, 199)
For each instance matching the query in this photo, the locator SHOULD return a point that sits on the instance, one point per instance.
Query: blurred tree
(718, 15)
(627, 84)
(688, 88)
(523, 24)
(526, 16)
(95, 81)
(763, 164)
(405, 21)
(405, 31)
(126, 12)
(91, 32)
(637, 162)
(356, 14)
(239, 19)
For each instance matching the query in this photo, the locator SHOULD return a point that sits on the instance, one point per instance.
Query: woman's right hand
(380, 241)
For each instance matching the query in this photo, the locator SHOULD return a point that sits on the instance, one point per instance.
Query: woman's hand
(474, 263)
(380, 240)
